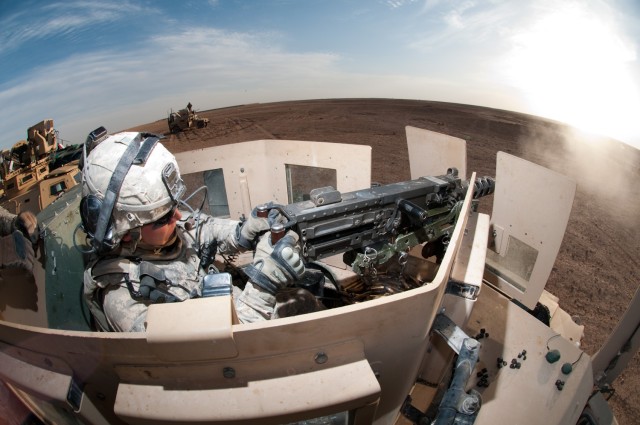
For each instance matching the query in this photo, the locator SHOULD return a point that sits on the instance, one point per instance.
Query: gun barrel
(483, 186)
(332, 223)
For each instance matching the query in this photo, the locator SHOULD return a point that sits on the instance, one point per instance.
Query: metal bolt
(229, 372)
(321, 357)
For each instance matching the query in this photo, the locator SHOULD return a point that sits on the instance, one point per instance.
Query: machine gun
(372, 225)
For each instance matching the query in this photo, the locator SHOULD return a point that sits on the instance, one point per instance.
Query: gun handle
(291, 221)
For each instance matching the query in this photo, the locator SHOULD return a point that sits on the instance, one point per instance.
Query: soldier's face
(161, 231)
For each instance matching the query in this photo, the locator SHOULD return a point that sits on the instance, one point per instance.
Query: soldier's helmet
(129, 179)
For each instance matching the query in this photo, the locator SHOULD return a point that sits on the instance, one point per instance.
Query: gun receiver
(372, 225)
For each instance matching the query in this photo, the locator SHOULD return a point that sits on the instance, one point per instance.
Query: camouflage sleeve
(6, 222)
(224, 231)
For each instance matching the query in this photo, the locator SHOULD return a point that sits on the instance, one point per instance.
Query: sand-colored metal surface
(431, 153)
(530, 213)
(255, 172)
(527, 394)
(197, 364)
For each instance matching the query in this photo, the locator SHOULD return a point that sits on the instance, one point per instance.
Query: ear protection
(95, 213)
(553, 355)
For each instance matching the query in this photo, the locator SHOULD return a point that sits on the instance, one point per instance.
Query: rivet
(229, 372)
(321, 357)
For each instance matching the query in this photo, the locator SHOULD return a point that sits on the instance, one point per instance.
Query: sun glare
(573, 67)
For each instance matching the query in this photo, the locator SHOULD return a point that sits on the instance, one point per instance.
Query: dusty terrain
(596, 273)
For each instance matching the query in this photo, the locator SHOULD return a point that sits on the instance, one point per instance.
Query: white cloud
(463, 27)
(455, 17)
(209, 67)
(215, 68)
(394, 4)
(63, 18)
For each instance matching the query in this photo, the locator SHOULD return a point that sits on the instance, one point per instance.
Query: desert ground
(597, 270)
(596, 273)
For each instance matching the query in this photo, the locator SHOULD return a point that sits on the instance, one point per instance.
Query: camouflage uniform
(16, 251)
(106, 290)
(7, 222)
(128, 275)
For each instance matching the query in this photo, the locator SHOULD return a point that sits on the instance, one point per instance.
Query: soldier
(149, 246)
(17, 232)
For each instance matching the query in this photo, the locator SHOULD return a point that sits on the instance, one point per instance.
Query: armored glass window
(302, 179)
(58, 188)
(218, 203)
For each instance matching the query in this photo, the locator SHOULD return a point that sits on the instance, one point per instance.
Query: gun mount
(372, 225)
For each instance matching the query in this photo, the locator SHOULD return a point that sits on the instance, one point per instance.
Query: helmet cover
(143, 197)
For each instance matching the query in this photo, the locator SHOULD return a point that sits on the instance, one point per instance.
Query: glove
(249, 230)
(278, 266)
(17, 251)
(27, 223)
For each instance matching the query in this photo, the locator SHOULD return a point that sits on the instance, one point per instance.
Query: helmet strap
(136, 153)
(136, 237)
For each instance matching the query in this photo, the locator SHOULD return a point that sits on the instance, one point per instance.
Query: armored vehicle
(36, 171)
(428, 304)
(185, 119)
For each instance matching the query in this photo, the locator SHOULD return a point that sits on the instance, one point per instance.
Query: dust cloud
(604, 169)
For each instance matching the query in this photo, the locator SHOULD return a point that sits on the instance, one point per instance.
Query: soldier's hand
(27, 223)
(251, 229)
(276, 266)
(17, 252)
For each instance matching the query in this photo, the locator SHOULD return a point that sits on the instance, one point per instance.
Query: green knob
(552, 356)
(566, 368)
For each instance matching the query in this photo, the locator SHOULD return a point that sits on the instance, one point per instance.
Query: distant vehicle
(185, 119)
(445, 330)
(36, 171)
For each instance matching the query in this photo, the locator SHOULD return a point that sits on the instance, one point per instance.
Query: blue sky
(123, 63)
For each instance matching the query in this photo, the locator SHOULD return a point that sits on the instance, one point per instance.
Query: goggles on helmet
(173, 182)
